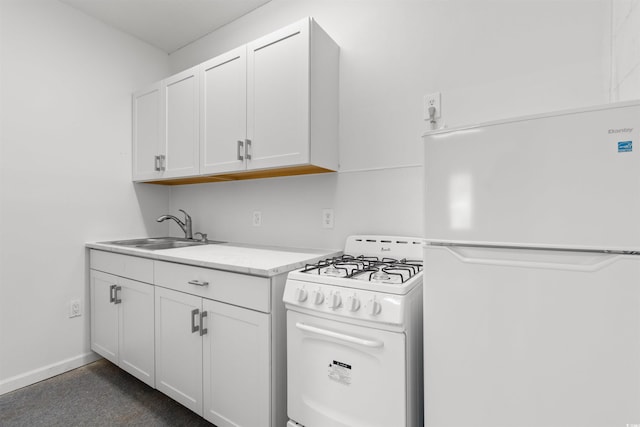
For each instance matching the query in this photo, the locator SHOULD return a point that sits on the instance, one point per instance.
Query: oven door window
(341, 374)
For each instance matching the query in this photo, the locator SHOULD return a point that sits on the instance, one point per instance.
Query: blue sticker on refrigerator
(625, 146)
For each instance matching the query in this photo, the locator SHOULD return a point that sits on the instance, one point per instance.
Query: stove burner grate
(369, 268)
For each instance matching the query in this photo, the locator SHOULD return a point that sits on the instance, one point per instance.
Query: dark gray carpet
(98, 394)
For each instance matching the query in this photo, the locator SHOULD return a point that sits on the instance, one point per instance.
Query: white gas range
(354, 336)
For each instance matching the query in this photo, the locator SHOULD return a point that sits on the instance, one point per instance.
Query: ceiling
(166, 24)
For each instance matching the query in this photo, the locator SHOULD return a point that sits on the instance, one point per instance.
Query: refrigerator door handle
(536, 258)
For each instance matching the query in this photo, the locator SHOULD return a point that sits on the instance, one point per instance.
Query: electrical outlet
(432, 100)
(75, 309)
(257, 218)
(327, 218)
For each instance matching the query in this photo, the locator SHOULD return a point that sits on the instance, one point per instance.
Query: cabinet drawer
(233, 288)
(140, 269)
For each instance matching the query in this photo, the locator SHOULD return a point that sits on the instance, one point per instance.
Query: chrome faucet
(186, 225)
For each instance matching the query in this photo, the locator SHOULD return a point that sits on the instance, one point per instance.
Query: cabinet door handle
(240, 149)
(156, 163)
(247, 152)
(117, 300)
(194, 314)
(203, 330)
(112, 298)
(198, 282)
(163, 162)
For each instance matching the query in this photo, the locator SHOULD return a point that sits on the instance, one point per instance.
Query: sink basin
(156, 243)
(145, 241)
(169, 245)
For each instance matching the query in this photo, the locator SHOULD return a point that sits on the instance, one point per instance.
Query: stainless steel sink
(156, 243)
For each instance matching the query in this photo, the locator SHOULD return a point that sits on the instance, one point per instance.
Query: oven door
(344, 375)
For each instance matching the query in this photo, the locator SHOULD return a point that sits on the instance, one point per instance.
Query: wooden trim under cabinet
(267, 173)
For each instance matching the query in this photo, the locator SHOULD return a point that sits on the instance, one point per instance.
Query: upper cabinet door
(147, 130)
(278, 98)
(224, 112)
(182, 118)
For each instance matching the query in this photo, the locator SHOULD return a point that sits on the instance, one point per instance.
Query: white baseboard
(32, 377)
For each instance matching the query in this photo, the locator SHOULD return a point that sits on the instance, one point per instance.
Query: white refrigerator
(532, 271)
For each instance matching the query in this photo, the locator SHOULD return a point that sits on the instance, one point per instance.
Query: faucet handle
(186, 215)
(203, 236)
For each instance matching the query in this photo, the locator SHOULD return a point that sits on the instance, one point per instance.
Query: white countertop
(256, 260)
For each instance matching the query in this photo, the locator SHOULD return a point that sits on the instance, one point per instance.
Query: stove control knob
(318, 298)
(353, 303)
(373, 307)
(301, 294)
(335, 301)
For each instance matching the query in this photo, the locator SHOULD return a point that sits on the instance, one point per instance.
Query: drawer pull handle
(240, 150)
(194, 313)
(116, 300)
(198, 282)
(248, 149)
(203, 330)
(112, 298)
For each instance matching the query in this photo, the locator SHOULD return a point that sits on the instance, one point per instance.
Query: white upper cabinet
(264, 109)
(292, 100)
(224, 112)
(278, 98)
(166, 117)
(182, 120)
(147, 128)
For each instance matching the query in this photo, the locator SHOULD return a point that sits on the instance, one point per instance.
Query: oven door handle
(339, 336)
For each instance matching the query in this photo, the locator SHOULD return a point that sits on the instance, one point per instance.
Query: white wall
(65, 161)
(490, 60)
(625, 70)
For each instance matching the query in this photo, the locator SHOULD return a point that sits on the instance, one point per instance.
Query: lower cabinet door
(179, 347)
(122, 326)
(236, 366)
(104, 316)
(135, 301)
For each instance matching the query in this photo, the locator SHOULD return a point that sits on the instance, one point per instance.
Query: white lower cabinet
(122, 323)
(179, 347)
(236, 366)
(212, 340)
(212, 357)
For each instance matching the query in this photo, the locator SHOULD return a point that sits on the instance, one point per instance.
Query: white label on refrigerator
(625, 146)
